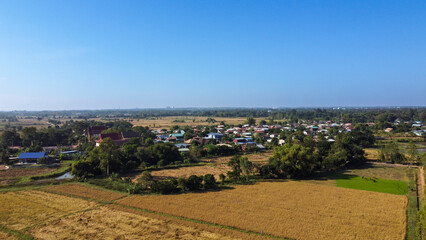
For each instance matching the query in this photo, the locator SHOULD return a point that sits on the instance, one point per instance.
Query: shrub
(209, 182)
(134, 188)
(194, 183)
(146, 179)
(165, 186)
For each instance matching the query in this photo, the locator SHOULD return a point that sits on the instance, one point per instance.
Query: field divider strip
(16, 233)
(202, 222)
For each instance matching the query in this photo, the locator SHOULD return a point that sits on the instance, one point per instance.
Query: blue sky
(87, 54)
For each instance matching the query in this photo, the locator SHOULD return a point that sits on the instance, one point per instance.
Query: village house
(217, 136)
(31, 157)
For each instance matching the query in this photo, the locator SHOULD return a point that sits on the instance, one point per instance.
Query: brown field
(215, 166)
(23, 209)
(188, 171)
(110, 223)
(9, 175)
(5, 235)
(262, 157)
(30, 122)
(372, 154)
(85, 191)
(290, 209)
(167, 122)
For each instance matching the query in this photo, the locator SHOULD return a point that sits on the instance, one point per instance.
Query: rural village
(178, 170)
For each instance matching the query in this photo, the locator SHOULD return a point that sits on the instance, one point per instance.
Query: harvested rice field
(262, 157)
(216, 166)
(188, 171)
(110, 223)
(23, 209)
(5, 235)
(293, 210)
(85, 191)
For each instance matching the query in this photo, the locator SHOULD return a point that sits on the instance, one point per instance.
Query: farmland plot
(85, 191)
(5, 235)
(23, 209)
(14, 174)
(188, 171)
(109, 223)
(290, 209)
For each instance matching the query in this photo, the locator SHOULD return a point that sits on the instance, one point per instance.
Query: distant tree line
(354, 115)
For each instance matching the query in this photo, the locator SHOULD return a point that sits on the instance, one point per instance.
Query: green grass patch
(370, 184)
(412, 217)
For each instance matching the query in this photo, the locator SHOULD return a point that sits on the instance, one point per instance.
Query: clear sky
(88, 54)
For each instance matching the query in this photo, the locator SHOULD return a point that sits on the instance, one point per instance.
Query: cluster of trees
(146, 183)
(391, 153)
(301, 155)
(242, 169)
(354, 115)
(192, 183)
(107, 158)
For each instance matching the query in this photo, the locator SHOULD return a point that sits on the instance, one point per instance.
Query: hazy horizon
(76, 55)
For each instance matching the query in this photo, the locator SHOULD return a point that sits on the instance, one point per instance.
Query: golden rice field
(217, 166)
(262, 157)
(167, 122)
(188, 171)
(111, 223)
(85, 191)
(23, 209)
(294, 210)
(4, 235)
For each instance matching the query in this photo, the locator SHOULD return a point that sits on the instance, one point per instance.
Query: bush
(146, 179)
(165, 186)
(209, 182)
(134, 188)
(194, 183)
(222, 178)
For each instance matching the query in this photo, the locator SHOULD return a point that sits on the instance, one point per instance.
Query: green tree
(209, 181)
(194, 183)
(294, 160)
(242, 168)
(250, 121)
(10, 138)
(146, 179)
(413, 153)
(391, 153)
(29, 136)
(109, 156)
(4, 156)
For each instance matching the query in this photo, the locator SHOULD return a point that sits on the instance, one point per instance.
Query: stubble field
(84, 191)
(23, 209)
(167, 122)
(109, 223)
(290, 209)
